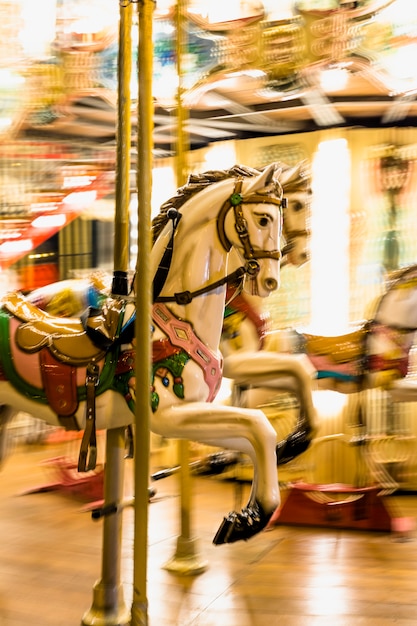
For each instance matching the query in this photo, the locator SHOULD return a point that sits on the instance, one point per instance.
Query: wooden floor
(292, 576)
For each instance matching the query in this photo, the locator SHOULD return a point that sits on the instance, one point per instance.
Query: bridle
(251, 267)
(235, 201)
(290, 236)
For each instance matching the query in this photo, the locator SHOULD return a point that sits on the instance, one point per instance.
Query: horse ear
(296, 176)
(290, 174)
(269, 173)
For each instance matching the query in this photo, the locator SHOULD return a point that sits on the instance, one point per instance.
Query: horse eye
(263, 221)
(298, 206)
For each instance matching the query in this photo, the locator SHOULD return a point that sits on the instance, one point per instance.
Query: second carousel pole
(186, 559)
(108, 607)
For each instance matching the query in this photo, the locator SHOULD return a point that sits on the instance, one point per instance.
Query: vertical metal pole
(108, 607)
(143, 313)
(124, 132)
(186, 559)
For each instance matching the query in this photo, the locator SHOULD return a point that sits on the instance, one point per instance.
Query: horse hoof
(242, 526)
(294, 445)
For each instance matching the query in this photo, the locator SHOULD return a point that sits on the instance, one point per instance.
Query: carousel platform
(51, 556)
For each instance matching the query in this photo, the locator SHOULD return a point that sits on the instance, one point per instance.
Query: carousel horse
(374, 355)
(79, 372)
(258, 373)
(283, 372)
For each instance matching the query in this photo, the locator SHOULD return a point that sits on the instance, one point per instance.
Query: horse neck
(199, 260)
(247, 321)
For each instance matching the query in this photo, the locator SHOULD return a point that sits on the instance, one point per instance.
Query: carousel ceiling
(241, 69)
(254, 72)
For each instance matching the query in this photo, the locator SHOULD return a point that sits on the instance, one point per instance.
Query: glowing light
(80, 198)
(398, 64)
(334, 79)
(329, 403)
(39, 17)
(19, 245)
(9, 79)
(163, 186)
(220, 156)
(49, 221)
(215, 11)
(5, 123)
(330, 238)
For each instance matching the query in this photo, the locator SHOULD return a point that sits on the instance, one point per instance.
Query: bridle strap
(235, 201)
(290, 236)
(185, 297)
(165, 263)
(401, 329)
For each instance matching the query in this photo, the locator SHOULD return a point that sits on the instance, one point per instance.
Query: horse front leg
(246, 430)
(299, 440)
(270, 372)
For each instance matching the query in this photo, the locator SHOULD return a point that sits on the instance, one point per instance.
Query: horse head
(250, 221)
(296, 183)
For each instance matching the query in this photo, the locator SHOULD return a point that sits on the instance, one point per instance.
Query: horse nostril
(271, 284)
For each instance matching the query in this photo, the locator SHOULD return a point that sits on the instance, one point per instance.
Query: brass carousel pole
(186, 559)
(108, 608)
(143, 313)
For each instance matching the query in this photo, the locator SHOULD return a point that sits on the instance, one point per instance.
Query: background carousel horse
(80, 372)
(374, 355)
(257, 372)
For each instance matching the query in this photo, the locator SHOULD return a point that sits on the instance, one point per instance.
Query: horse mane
(195, 184)
(292, 178)
(296, 178)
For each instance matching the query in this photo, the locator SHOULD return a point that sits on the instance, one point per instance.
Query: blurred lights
(330, 238)
(19, 245)
(49, 221)
(334, 79)
(80, 198)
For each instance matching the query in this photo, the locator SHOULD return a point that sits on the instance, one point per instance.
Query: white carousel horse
(292, 373)
(256, 371)
(80, 372)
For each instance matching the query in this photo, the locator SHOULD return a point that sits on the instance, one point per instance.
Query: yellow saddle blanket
(65, 337)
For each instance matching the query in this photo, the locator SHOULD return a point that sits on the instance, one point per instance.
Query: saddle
(65, 344)
(66, 337)
(342, 348)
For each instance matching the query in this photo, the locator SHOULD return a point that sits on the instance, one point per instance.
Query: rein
(185, 297)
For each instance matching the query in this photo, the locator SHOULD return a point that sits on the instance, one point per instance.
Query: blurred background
(330, 81)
